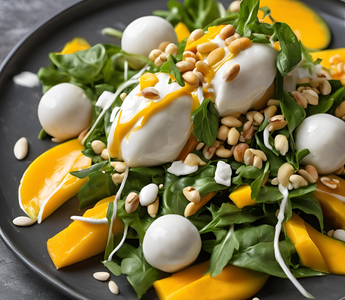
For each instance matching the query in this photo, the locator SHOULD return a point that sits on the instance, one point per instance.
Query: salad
(210, 136)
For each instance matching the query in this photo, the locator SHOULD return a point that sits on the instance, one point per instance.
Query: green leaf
(91, 170)
(246, 17)
(307, 60)
(205, 122)
(266, 10)
(112, 32)
(248, 172)
(290, 54)
(169, 67)
(113, 267)
(42, 135)
(257, 183)
(110, 212)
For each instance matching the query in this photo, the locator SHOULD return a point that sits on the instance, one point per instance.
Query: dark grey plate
(18, 117)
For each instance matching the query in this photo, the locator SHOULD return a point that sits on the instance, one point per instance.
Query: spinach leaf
(91, 170)
(169, 67)
(248, 172)
(205, 122)
(113, 267)
(290, 53)
(246, 17)
(257, 183)
(139, 273)
(51, 76)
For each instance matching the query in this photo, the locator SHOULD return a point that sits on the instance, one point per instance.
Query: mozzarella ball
(171, 243)
(162, 138)
(64, 111)
(323, 135)
(258, 70)
(145, 34)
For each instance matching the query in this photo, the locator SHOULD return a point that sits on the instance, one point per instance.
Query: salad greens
(241, 237)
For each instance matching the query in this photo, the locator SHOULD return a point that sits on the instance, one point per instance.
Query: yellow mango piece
(47, 184)
(308, 252)
(308, 26)
(148, 80)
(332, 250)
(182, 31)
(210, 35)
(233, 283)
(332, 201)
(81, 240)
(77, 44)
(241, 196)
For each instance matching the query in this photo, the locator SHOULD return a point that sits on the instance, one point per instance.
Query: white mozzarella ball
(258, 70)
(323, 135)
(171, 243)
(164, 135)
(145, 34)
(64, 111)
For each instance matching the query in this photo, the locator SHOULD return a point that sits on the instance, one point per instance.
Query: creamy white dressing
(266, 138)
(223, 173)
(90, 220)
(178, 168)
(148, 194)
(113, 217)
(26, 79)
(277, 253)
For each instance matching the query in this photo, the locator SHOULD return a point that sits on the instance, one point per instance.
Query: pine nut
(334, 58)
(300, 99)
(193, 160)
(191, 60)
(190, 78)
(223, 132)
(340, 171)
(23, 221)
(255, 116)
(105, 154)
(132, 202)
(113, 287)
(98, 146)
(161, 186)
(270, 111)
(259, 153)
(276, 123)
(275, 181)
(223, 153)
(310, 179)
(208, 152)
(248, 157)
(231, 73)
(158, 62)
(200, 56)
(226, 32)
(101, 276)
(119, 166)
(303, 80)
(281, 144)
(238, 45)
(200, 146)
(312, 171)
(330, 233)
(185, 66)
(239, 152)
(331, 183)
(340, 67)
(189, 54)
(202, 67)
(273, 102)
(163, 45)
(195, 35)
(123, 96)
(233, 136)
(154, 54)
(191, 194)
(201, 77)
(297, 181)
(117, 178)
(216, 144)
(206, 47)
(248, 131)
(301, 89)
(190, 210)
(314, 83)
(311, 96)
(231, 121)
(340, 110)
(242, 139)
(171, 49)
(20, 148)
(325, 87)
(163, 57)
(215, 56)
(230, 39)
(234, 6)
(284, 173)
(257, 162)
(150, 93)
(152, 209)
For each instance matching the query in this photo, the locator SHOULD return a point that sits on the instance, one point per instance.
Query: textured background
(17, 17)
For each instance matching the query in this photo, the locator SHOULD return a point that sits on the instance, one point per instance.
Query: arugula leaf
(169, 67)
(246, 17)
(139, 273)
(290, 54)
(205, 122)
(91, 170)
(257, 183)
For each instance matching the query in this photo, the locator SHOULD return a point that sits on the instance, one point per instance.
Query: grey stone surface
(17, 17)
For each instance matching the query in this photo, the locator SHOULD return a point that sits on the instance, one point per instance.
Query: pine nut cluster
(159, 56)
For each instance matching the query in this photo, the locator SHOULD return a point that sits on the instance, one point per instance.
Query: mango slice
(242, 196)
(182, 31)
(47, 184)
(233, 283)
(308, 252)
(81, 240)
(148, 80)
(308, 26)
(77, 44)
(332, 201)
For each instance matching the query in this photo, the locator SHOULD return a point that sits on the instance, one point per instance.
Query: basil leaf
(290, 53)
(91, 170)
(169, 67)
(266, 10)
(205, 122)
